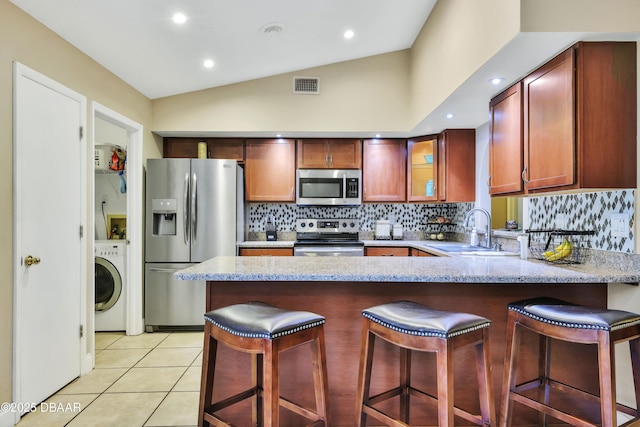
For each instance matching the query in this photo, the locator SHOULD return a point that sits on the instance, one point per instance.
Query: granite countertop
(474, 269)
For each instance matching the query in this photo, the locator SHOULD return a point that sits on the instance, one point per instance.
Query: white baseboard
(8, 419)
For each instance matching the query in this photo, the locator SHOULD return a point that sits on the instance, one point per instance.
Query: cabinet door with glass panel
(422, 169)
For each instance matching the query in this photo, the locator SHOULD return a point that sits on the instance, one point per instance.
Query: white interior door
(48, 209)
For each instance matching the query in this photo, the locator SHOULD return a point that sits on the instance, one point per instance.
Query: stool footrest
(541, 407)
(300, 410)
(231, 400)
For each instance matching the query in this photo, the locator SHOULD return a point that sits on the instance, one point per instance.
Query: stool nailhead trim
(426, 333)
(574, 325)
(267, 335)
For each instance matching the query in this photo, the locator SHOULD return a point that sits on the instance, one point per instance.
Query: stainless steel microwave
(332, 187)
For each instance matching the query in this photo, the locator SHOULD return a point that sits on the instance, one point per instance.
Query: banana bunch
(561, 251)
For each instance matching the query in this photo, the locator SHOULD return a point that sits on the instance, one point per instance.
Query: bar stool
(412, 326)
(264, 331)
(553, 318)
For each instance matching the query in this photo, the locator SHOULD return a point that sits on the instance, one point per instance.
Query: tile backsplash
(586, 211)
(413, 217)
(581, 211)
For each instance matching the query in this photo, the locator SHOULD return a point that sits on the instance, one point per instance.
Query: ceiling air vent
(306, 85)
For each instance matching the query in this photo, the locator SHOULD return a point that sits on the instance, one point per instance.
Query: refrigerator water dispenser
(164, 217)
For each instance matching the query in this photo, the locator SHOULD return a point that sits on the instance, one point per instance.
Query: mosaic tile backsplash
(583, 211)
(586, 211)
(413, 217)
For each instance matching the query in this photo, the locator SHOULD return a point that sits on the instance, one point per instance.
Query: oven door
(328, 250)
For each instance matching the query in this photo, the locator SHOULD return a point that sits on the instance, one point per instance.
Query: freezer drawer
(170, 303)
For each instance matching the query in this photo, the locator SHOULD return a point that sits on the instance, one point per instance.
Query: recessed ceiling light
(272, 29)
(377, 135)
(450, 116)
(496, 80)
(179, 18)
(208, 63)
(348, 34)
(279, 136)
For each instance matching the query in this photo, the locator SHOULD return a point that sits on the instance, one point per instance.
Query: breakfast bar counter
(339, 288)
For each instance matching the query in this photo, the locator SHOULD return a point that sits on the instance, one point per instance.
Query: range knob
(303, 225)
(352, 225)
(310, 225)
(344, 225)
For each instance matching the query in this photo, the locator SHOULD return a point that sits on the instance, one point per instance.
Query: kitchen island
(339, 288)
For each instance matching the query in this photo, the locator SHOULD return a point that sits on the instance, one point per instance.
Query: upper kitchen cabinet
(422, 167)
(579, 122)
(217, 148)
(270, 170)
(384, 170)
(457, 165)
(506, 150)
(329, 154)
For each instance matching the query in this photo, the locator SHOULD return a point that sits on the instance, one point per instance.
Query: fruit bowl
(559, 250)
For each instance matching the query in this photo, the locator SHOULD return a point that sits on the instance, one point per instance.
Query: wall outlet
(620, 225)
(104, 199)
(561, 222)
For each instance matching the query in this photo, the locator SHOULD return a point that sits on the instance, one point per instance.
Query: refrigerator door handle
(194, 208)
(185, 202)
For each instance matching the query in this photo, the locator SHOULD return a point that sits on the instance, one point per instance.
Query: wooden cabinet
(418, 252)
(266, 251)
(330, 153)
(270, 170)
(217, 148)
(386, 251)
(457, 165)
(579, 123)
(506, 149)
(384, 170)
(422, 167)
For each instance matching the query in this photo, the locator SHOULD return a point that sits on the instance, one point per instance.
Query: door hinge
(81, 231)
(81, 132)
(81, 331)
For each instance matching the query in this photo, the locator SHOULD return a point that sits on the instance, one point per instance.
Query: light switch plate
(620, 225)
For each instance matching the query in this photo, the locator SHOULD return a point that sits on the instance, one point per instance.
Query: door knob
(30, 260)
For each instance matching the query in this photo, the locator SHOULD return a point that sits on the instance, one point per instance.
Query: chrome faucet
(487, 234)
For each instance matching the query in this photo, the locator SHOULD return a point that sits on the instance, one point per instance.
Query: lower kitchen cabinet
(270, 170)
(386, 251)
(266, 251)
(384, 170)
(418, 252)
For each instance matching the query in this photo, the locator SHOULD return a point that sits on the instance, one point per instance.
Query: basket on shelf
(560, 246)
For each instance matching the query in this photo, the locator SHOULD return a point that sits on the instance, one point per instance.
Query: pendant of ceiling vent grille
(306, 85)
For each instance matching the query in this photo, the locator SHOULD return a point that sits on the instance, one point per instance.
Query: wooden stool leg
(208, 372)
(445, 384)
(405, 383)
(257, 379)
(320, 377)
(485, 381)
(607, 371)
(364, 372)
(271, 387)
(510, 370)
(544, 371)
(634, 347)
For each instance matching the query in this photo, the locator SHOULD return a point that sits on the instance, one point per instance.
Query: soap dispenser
(474, 237)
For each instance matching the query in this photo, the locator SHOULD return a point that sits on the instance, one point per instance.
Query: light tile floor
(144, 380)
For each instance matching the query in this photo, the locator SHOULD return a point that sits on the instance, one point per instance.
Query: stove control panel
(328, 226)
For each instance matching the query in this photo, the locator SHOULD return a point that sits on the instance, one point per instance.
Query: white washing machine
(111, 289)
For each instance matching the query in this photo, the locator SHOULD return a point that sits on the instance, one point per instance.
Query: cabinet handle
(524, 179)
(326, 160)
(489, 181)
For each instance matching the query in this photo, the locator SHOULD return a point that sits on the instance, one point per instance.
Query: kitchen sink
(466, 249)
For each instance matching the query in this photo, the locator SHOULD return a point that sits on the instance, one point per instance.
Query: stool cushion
(260, 320)
(412, 318)
(568, 315)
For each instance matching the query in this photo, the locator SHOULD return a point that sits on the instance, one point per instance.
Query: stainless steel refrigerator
(194, 212)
